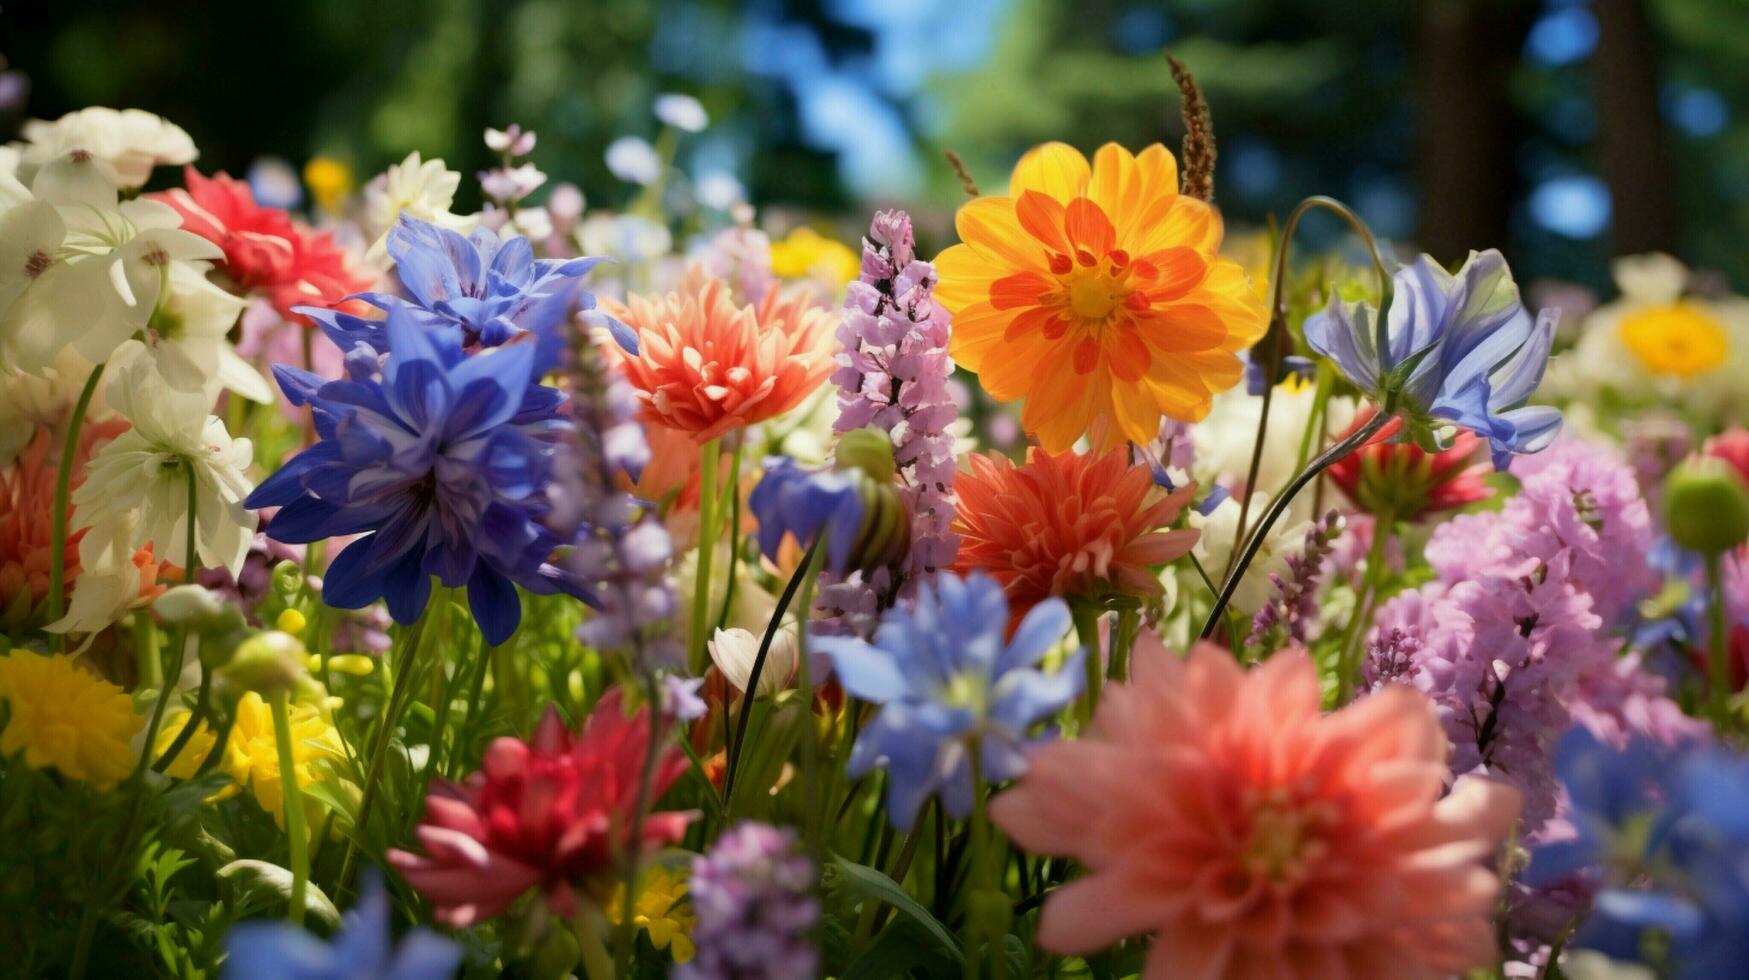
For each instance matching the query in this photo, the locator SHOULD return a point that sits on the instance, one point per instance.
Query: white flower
(108, 582)
(1225, 438)
(80, 267)
(734, 650)
(1655, 344)
(32, 401)
(1215, 544)
(188, 338)
(125, 145)
(682, 112)
(136, 487)
(422, 188)
(719, 190)
(634, 160)
(628, 238)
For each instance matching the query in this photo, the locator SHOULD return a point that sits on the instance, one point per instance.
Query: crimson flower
(1732, 446)
(552, 813)
(266, 251)
(1404, 481)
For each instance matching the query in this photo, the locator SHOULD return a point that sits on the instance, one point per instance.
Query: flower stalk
(297, 839)
(710, 457)
(63, 488)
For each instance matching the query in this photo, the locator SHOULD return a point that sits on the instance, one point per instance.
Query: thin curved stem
(709, 459)
(771, 628)
(1279, 506)
(63, 488)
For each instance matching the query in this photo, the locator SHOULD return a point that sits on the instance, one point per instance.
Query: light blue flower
(363, 948)
(1456, 350)
(945, 679)
(790, 499)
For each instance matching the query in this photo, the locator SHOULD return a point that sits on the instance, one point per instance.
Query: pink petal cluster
(892, 374)
(266, 251)
(1257, 837)
(552, 813)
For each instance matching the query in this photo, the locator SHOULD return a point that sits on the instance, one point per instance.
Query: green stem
(771, 628)
(379, 750)
(626, 938)
(476, 690)
(731, 493)
(1347, 656)
(708, 460)
(805, 683)
(1086, 619)
(1129, 624)
(63, 488)
(1316, 418)
(195, 717)
(297, 838)
(588, 927)
(1719, 697)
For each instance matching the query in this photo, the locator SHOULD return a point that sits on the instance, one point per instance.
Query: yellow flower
(1097, 293)
(659, 911)
(251, 756)
(329, 181)
(291, 621)
(67, 719)
(806, 254)
(1681, 339)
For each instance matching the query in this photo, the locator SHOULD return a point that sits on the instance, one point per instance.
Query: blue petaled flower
(1456, 350)
(442, 464)
(804, 503)
(947, 681)
(1663, 835)
(490, 290)
(363, 948)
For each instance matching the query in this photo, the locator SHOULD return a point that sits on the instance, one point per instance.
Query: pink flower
(1257, 837)
(552, 813)
(265, 251)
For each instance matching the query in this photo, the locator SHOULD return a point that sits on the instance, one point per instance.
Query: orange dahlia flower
(1097, 294)
(1257, 837)
(706, 365)
(1066, 525)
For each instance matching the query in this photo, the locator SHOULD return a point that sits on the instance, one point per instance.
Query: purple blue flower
(1454, 349)
(753, 898)
(485, 290)
(790, 499)
(946, 681)
(442, 464)
(362, 948)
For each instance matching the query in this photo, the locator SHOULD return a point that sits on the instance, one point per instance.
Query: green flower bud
(868, 450)
(191, 605)
(885, 535)
(268, 663)
(1706, 505)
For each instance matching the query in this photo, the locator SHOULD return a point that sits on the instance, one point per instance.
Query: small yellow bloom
(660, 911)
(251, 755)
(291, 621)
(806, 254)
(329, 180)
(1682, 339)
(67, 719)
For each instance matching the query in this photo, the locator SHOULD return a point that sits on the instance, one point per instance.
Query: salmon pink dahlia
(551, 813)
(1069, 525)
(706, 365)
(1395, 479)
(266, 251)
(1257, 837)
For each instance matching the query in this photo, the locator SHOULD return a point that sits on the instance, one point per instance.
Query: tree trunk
(1631, 144)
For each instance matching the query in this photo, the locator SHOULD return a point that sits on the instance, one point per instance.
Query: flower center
(1682, 340)
(1284, 836)
(1093, 295)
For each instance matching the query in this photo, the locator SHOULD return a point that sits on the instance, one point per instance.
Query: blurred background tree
(1563, 131)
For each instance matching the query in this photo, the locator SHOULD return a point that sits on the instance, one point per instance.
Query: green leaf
(272, 884)
(860, 879)
(900, 948)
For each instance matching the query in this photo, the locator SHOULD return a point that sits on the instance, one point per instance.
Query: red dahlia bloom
(551, 813)
(1732, 446)
(1405, 481)
(266, 251)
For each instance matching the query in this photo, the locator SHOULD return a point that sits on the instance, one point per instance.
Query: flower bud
(1706, 506)
(190, 605)
(869, 450)
(268, 663)
(885, 534)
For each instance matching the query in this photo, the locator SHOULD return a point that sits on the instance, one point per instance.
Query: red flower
(552, 813)
(266, 251)
(1732, 446)
(1405, 481)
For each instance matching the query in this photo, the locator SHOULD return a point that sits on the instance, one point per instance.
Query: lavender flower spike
(892, 374)
(752, 895)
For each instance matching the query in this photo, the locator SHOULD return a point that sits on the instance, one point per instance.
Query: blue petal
(1343, 333)
(1043, 626)
(407, 588)
(1022, 698)
(348, 583)
(495, 604)
(865, 671)
(488, 389)
(275, 951)
(434, 263)
(300, 386)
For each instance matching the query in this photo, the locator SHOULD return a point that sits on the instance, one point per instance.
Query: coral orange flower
(1392, 478)
(1096, 293)
(707, 366)
(1257, 837)
(1067, 525)
(27, 498)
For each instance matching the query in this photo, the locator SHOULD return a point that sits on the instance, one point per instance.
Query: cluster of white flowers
(95, 279)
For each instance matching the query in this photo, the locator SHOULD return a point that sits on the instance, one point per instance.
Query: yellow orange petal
(1057, 169)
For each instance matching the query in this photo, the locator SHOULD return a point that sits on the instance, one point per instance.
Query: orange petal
(1089, 229)
(1020, 289)
(1042, 217)
(1086, 356)
(988, 225)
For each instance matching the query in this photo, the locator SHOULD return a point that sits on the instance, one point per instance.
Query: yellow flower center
(1284, 836)
(1682, 340)
(1093, 296)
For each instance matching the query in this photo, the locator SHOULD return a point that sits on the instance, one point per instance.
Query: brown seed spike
(1199, 136)
(959, 168)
